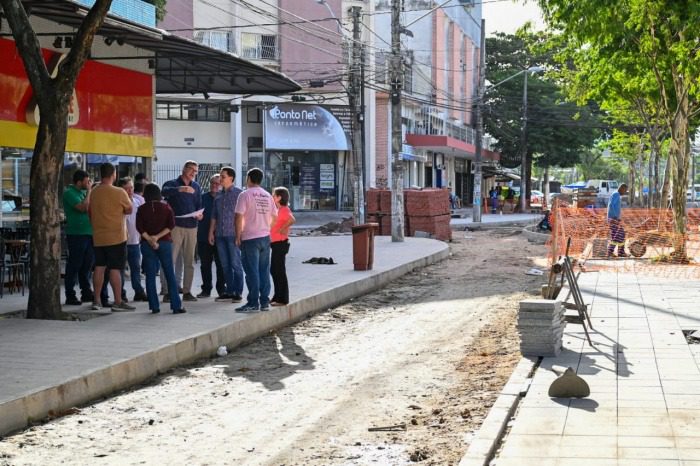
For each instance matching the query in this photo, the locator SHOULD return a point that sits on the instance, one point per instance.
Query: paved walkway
(644, 407)
(48, 366)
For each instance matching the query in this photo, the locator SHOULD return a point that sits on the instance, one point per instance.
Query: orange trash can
(363, 245)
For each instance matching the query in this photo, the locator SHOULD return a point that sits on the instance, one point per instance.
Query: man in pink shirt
(255, 213)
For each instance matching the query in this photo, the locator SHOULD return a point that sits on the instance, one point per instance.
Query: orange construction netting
(650, 243)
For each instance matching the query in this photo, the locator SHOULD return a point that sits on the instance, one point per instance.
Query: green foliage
(557, 131)
(160, 8)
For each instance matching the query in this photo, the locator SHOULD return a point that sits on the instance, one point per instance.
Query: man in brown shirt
(108, 207)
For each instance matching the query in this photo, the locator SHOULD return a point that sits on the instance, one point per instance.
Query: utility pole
(354, 91)
(478, 177)
(397, 221)
(524, 182)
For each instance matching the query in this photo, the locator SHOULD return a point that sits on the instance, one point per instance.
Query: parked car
(536, 198)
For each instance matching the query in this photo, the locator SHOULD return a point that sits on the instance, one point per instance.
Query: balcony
(137, 11)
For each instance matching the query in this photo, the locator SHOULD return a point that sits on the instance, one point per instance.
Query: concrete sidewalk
(644, 407)
(48, 367)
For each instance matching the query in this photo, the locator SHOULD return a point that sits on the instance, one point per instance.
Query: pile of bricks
(426, 210)
(541, 326)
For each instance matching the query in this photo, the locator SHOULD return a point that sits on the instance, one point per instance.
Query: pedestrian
(108, 206)
(78, 239)
(208, 252)
(617, 231)
(185, 198)
(255, 213)
(493, 195)
(279, 244)
(222, 233)
(133, 243)
(155, 221)
(138, 191)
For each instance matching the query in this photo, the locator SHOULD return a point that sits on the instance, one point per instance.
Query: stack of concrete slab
(541, 326)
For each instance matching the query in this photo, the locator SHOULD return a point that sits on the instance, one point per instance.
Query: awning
(182, 65)
(448, 145)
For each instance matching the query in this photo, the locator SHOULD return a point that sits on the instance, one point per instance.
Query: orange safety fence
(650, 242)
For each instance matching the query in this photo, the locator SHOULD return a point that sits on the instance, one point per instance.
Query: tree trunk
(526, 189)
(632, 182)
(45, 175)
(545, 188)
(680, 153)
(665, 194)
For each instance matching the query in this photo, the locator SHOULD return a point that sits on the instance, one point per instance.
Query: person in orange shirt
(279, 243)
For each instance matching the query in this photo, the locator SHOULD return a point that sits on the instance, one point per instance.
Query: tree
(558, 132)
(643, 42)
(53, 97)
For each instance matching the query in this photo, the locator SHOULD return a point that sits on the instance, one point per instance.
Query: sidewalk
(49, 367)
(644, 407)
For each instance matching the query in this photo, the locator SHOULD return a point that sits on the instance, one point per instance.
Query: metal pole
(523, 157)
(397, 222)
(357, 121)
(476, 209)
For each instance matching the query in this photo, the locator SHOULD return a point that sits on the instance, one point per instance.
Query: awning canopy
(448, 145)
(182, 65)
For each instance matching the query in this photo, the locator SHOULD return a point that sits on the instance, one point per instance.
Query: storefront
(110, 119)
(305, 148)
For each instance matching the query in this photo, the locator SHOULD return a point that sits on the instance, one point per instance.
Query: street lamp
(476, 214)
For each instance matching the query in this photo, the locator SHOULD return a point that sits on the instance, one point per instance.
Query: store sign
(111, 109)
(303, 127)
(327, 176)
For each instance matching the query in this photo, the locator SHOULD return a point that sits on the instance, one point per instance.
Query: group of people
(500, 196)
(245, 233)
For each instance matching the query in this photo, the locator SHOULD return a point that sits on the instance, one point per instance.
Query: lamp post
(481, 92)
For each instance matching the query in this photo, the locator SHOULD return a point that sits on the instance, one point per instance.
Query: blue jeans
(230, 257)
(81, 258)
(133, 258)
(255, 256)
(152, 260)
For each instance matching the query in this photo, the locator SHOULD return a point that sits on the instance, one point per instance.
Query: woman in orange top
(279, 243)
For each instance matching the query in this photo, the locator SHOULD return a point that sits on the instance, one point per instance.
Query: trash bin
(363, 245)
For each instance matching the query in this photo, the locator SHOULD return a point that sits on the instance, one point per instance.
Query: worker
(617, 231)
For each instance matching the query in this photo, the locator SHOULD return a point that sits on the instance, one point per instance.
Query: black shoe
(87, 298)
(166, 298)
(188, 297)
(236, 298)
(140, 297)
(179, 290)
(179, 311)
(223, 298)
(107, 303)
(204, 295)
(124, 299)
(155, 311)
(73, 301)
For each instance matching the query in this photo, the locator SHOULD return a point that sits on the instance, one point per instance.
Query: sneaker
(155, 311)
(179, 290)
(96, 306)
(236, 298)
(188, 297)
(123, 307)
(223, 298)
(264, 307)
(204, 295)
(124, 299)
(87, 298)
(107, 303)
(166, 298)
(247, 308)
(140, 297)
(73, 301)
(180, 311)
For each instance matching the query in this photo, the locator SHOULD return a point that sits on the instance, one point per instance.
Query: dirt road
(422, 360)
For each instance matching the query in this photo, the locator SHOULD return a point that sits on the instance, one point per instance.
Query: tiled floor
(644, 407)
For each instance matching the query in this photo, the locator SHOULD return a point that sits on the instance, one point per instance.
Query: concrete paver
(50, 366)
(644, 406)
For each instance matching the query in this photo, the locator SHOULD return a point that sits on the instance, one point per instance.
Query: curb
(534, 236)
(57, 400)
(483, 447)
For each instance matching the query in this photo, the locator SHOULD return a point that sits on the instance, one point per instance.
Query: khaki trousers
(184, 244)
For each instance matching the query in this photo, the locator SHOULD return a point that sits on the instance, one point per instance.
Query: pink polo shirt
(257, 208)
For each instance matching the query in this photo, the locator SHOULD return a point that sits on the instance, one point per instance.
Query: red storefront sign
(112, 107)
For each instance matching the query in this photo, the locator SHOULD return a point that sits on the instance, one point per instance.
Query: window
(220, 40)
(193, 111)
(258, 46)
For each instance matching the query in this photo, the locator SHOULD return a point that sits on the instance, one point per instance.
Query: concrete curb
(57, 400)
(483, 447)
(490, 225)
(535, 236)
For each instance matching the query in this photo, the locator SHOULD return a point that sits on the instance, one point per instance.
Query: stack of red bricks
(426, 210)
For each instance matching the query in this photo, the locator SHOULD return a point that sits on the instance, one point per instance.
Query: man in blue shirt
(185, 197)
(222, 232)
(207, 252)
(617, 231)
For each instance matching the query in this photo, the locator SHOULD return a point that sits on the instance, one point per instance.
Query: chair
(11, 262)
